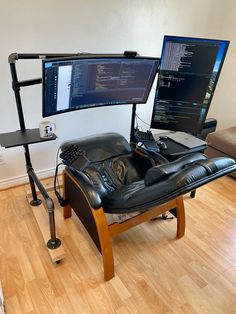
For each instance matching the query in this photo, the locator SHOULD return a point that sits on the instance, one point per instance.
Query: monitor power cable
(61, 200)
(56, 183)
(138, 117)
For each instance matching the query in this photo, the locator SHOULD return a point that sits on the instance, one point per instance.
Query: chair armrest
(157, 173)
(158, 158)
(87, 188)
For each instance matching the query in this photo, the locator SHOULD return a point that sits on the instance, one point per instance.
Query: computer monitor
(189, 71)
(92, 80)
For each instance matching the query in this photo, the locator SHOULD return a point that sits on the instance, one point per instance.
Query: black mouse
(162, 145)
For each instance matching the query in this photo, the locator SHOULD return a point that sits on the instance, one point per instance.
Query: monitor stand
(25, 137)
(132, 129)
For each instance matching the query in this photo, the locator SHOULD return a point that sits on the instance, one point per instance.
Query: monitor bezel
(197, 130)
(95, 56)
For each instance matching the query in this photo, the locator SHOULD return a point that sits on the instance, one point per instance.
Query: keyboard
(74, 157)
(144, 136)
(147, 139)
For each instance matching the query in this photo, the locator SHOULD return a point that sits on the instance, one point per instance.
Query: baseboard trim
(23, 179)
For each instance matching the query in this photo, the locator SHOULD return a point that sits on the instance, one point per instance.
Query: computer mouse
(162, 145)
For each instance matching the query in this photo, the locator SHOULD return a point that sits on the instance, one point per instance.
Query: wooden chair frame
(94, 220)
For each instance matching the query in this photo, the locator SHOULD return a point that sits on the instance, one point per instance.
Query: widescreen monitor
(189, 71)
(90, 81)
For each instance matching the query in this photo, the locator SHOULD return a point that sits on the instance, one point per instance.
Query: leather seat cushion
(112, 174)
(137, 196)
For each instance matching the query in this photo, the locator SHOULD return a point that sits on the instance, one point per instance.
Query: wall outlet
(2, 159)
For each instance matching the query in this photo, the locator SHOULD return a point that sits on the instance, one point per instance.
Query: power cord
(141, 120)
(61, 200)
(56, 183)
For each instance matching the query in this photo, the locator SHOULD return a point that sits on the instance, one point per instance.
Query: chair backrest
(113, 161)
(102, 146)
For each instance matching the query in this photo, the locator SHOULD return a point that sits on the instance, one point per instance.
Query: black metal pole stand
(16, 89)
(53, 242)
(132, 129)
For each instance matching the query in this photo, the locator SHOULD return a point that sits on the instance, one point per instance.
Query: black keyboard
(74, 157)
(147, 139)
(144, 136)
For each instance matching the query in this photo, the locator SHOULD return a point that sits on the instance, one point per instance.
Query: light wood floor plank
(154, 271)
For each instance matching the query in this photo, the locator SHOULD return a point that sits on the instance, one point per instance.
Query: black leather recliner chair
(124, 179)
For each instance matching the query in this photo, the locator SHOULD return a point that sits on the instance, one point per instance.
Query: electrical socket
(2, 159)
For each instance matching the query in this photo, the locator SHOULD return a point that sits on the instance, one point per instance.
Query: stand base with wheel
(55, 248)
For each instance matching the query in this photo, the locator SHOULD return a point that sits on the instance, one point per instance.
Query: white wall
(224, 105)
(98, 26)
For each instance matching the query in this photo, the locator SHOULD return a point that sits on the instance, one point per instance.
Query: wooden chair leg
(94, 220)
(180, 215)
(105, 242)
(67, 208)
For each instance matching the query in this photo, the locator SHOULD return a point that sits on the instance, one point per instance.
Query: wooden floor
(155, 273)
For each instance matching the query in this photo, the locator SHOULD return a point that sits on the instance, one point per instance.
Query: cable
(57, 158)
(136, 120)
(142, 120)
(56, 183)
(61, 200)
